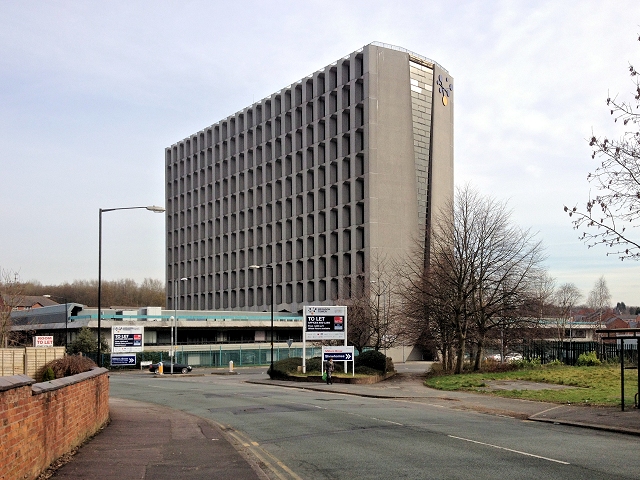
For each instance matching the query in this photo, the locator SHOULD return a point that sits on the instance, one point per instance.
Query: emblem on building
(444, 90)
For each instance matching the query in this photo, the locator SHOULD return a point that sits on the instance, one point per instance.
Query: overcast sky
(92, 92)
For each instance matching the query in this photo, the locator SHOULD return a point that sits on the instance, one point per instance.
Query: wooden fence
(27, 360)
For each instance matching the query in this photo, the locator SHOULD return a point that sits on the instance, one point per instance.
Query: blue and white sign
(338, 356)
(337, 353)
(120, 360)
(341, 354)
(127, 339)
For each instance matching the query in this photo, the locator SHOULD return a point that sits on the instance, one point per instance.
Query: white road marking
(387, 421)
(510, 450)
(547, 410)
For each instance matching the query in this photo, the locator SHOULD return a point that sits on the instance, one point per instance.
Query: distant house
(24, 302)
(623, 321)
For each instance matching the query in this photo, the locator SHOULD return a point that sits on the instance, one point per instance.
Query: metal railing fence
(569, 352)
(219, 357)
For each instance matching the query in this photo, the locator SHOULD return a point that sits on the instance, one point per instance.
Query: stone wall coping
(58, 383)
(15, 381)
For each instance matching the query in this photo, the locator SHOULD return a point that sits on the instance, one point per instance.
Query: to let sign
(43, 341)
(325, 323)
(127, 339)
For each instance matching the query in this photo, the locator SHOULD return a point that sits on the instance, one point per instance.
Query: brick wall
(39, 422)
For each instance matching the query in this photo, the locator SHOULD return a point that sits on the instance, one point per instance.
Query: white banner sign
(43, 341)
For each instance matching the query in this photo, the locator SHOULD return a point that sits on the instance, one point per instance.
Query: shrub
(313, 364)
(362, 370)
(372, 363)
(375, 360)
(67, 366)
(588, 360)
(492, 366)
(612, 361)
(87, 342)
(154, 357)
(390, 366)
(285, 367)
(436, 369)
(525, 364)
(48, 375)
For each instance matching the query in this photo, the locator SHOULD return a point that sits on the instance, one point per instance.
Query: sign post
(323, 323)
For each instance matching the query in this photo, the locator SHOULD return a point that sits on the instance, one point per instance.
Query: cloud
(91, 93)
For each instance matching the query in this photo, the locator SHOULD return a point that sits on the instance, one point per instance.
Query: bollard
(230, 366)
(160, 368)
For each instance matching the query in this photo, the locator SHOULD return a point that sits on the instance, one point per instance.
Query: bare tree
(123, 292)
(599, 298)
(360, 316)
(566, 298)
(11, 296)
(611, 214)
(544, 287)
(506, 261)
(425, 309)
(449, 274)
(372, 308)
(479, 276)
(385, 329)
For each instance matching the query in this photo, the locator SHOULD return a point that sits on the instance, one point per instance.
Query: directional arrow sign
(338, 356)
(123, 359)
(344, 354)
(337, 353)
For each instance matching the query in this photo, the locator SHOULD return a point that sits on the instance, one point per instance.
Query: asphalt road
(317, 435)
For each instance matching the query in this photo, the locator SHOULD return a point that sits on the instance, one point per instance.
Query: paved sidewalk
(147, 441)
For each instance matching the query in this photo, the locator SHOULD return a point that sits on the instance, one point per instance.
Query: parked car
(166, 367)
(513, 357)
(509, 357)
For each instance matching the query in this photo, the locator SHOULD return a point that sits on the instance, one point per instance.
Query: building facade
(194, 329)
(312, 184)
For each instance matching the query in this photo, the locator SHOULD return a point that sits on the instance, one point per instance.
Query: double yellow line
(265, 460)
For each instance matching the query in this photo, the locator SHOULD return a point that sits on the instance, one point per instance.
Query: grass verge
(597, 385)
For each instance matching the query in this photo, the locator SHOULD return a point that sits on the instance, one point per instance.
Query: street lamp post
(175, 320)
(66, 318)
(151, 208)
(383, 338)
(269, 267)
